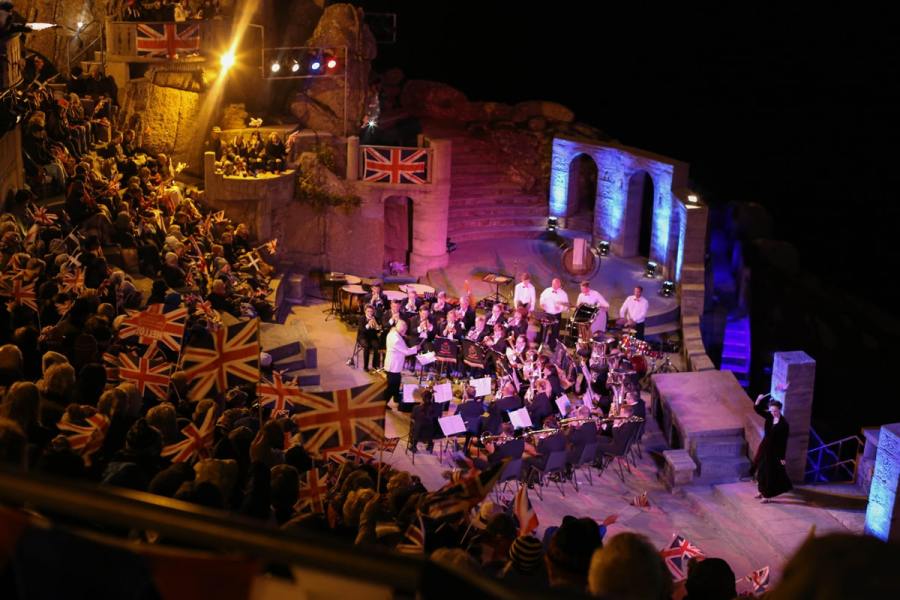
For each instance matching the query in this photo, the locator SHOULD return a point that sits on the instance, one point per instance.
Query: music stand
(473, 354)
(446, 350)
(335, 280)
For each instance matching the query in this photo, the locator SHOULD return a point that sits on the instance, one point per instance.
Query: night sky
(791, 109)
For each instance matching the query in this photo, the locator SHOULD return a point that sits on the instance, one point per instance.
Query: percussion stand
(354, 356)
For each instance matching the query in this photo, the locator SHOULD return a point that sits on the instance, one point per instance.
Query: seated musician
(466, 313)
(441, 307)
(471, 409)
(633, 400)
(368, 336)
(424, 421)
(509, 400)
(423, 327)
(498, 339)
(550, 372)
(580, 435)
(479, 331)
(376, 298)
(541, 405)
(518, 323)
(506, 446)
(539, 450)
(452, 328)
(516, 354)
(496, 316)
(621, 430)
(411, 306)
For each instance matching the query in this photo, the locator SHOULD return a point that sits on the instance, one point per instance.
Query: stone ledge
(678, 469)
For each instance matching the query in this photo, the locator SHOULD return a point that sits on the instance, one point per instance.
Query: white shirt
(525, 294)
(554, 301)
(634, 309)
(593, 298)
(396, 353)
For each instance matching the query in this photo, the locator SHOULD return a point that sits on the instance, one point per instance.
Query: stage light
(693, 198)
(651, 269)
(40, 26)
(668, 288)
(315, 65)
(276, 66)
(552, 224)
(603, 247)
(331, 64)
(227, 60)
(372, 123)
(295, 67)
(79, 25)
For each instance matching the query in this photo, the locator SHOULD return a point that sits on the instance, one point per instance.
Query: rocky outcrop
(551, 111)
(320, 105)
(433, 99)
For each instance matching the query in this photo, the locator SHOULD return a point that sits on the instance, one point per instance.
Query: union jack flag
(226, 357)
(22, 293)
(148, 373)
(677, 554)
(414, 538)
(42, 216)
(528, 520)
(86, 439)
(218, 217)
(461, 496)
(197, 441)
(395, 165)
(758, 580)
(279, 394)
(271, 246)
(641, 501)
(342, 418)
(111, 364)
(155, 326)
(386, 445)
(313, 491)
(73, 281)
(166, 39)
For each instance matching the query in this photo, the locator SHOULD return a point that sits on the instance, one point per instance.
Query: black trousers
(553, 334)
(371, 350)
(393, 388)
(639, 329)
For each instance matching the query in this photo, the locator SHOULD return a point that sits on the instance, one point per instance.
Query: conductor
(394, 359)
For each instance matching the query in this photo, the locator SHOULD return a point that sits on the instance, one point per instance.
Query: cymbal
(496, 278)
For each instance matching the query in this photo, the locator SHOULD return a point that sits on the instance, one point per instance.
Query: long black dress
(771, 476)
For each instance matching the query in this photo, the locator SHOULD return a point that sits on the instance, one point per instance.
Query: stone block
(732, 446)
(883, 510)
(678, 469)
(702, 363)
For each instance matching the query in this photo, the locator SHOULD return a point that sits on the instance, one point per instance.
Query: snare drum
(352, 298)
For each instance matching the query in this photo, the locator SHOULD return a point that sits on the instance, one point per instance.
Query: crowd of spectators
(253, 156)
(160, 10)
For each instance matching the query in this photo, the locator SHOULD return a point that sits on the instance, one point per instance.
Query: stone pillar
(793, 381)
(883, 511)
(352, 158)
(559, 177)
(431, 211)
(693, 291)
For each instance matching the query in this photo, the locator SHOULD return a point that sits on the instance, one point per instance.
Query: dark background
(792, 109)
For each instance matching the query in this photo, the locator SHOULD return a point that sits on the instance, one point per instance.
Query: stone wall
(12, 171)
(883, 510)
(58, 44)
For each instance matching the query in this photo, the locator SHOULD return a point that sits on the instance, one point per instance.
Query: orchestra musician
(411, 307)
(515, 354)
(465, 313)
(470, 410)
(621, 430)
(509, 400)
(579, 435)
(479, 331)
(505, 446)
(424, 417)
(394, 359)
(424, 328)
(496, 315)
(525, 294)
(541, 405)
(518, 322)
(368, 336)
(499, 342)
(452, 328)
(376, 298)
(441, 307)
(634, 311)
(554, 300)
(550, 372)
(589, 297)
(539, 450)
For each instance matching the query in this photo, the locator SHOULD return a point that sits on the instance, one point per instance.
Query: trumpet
(374, 324)
(539, 434)
(499, 438)
(574, 421)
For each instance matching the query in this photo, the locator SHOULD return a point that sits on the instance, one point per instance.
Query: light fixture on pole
(668, 288)
(603, 247)
(552, 224)
(652, 267)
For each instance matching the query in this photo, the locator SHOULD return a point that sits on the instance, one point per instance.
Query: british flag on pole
(677, 554)
(197, 442)
(313, 491)
(224, 358)
(166, 39)
(279, 395)
(20, 292)
(341, 419)
(155, 326)
(395, 165)
(149, 373)
(86, 439)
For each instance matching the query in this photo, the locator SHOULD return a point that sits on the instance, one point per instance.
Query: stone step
(735, 348)
(504, 233)
(735, 355)
(476, 168)
(306, 377)
(730, 446)
(464, 225)
(294, 363)
(463, 180)
(850, 492)
(281, 352)
(481, 187)
(492, 210)
(499, 200)
(722, 470)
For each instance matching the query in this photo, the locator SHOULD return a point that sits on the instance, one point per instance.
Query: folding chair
(586, 462)
(512, 472)
(555, 465)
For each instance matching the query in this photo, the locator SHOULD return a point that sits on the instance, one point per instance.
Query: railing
(833, 461)
(85, 50)
(10, 61)
(395, 165)
(196, 527)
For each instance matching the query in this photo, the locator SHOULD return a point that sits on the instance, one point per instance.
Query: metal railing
(197, 526)
(95, 42)
(833, 461)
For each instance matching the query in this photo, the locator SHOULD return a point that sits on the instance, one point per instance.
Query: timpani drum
(392, 295)
(421, 289)
(352, 298)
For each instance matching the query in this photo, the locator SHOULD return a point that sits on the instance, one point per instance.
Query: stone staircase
(292, 351)
(720, 459)
(736, 348)
(484, 202)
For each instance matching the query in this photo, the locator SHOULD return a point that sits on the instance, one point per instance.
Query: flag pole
(380, 465)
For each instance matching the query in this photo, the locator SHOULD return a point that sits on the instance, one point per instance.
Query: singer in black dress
(771, 476)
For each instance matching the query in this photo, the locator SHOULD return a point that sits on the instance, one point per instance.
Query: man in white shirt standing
(634, 311)
(594, 298)
(394, 359)
(554, 300)
(524, 294)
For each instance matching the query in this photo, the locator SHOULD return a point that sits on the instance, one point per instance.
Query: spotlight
(295, 67)
(372, 123)
(316, 65)
(79, 25)
(603, 247)
(276, 66)
(668, 288)
(227, 60)
(693, 198)
(650, 273)
(331, 64)
(552, 224)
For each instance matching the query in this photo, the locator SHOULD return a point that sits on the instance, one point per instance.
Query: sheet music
(443, 392)
(426, 358)
(452, 425)
(563, 404)
(520, 418)
(482, 386)
(408, 391)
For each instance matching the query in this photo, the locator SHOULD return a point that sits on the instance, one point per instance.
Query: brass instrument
(489, 438)
(539, 434)
(574, 421)
(374, 325)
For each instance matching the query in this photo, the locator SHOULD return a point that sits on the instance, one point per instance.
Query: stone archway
(639, 215)
(398, 229)
(582, 193)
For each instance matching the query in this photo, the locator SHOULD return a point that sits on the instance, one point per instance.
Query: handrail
(823, 445)
(834, 451)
